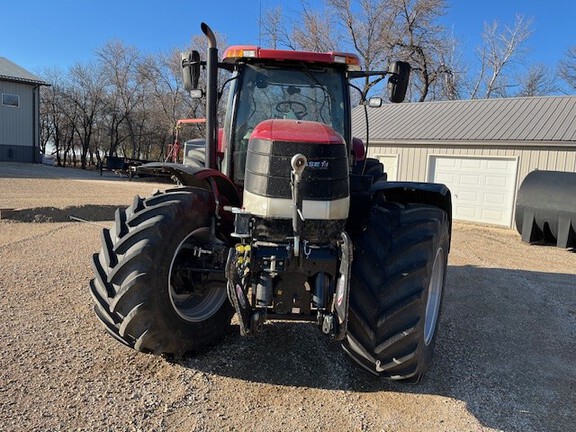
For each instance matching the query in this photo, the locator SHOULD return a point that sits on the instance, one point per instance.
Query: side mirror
(190, 69)
(398, 81)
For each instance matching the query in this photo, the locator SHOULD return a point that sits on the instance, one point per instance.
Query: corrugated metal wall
(17, 124)
(413, 160)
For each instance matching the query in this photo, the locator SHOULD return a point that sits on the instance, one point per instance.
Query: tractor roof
(244, 52)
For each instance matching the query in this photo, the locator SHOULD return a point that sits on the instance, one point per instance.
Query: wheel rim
(434, 296)
(196, 297)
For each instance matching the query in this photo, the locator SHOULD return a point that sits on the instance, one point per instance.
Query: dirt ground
(505, 356)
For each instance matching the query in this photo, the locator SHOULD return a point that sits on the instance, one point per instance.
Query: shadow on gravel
(90, 213)
(39, 171)
(505, 348)
(285, 353)
(550, 243)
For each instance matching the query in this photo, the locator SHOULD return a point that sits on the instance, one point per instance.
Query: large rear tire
(146, 289)
(397, 281)
(372, 167)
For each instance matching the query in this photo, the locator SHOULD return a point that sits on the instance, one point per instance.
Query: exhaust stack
(211, 97)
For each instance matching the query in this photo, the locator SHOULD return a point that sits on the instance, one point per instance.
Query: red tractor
(284, 219)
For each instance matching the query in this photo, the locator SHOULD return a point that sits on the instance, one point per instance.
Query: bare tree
(273, 28)
(379, 31)
(567, 68)
(162, 72)
(86, 94)
(124, 103)
(366, 26)
(499, 50)
(58, 115)
(450, 85)
(111, 121)
(47, 128)
(420, 40)
(64, 115)
(537, 81)
(119, 64)
(314, 32)
(309, 29)
(72, 114)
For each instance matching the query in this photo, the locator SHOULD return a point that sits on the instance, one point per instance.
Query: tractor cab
(287, 85)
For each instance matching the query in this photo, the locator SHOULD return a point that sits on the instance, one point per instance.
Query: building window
(10, 100)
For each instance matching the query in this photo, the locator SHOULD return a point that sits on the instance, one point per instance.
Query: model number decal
(318, 164)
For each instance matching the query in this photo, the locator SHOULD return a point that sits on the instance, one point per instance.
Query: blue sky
(40, 33)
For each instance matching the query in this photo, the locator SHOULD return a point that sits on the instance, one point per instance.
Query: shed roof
(532, 120)
(10, 71)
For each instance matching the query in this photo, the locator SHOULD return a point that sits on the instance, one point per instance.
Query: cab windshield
(310, 94)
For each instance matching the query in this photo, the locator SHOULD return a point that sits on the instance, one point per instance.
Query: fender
(435, 194)
(201, 177)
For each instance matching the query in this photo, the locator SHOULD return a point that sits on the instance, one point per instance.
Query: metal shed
(481, 149)
(19, 113)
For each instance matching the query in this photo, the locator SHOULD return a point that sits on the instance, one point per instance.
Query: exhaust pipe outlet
(209, 34)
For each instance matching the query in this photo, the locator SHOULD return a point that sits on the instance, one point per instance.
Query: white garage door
(482, 188)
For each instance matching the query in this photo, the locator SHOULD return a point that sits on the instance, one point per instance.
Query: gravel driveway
(505, 356)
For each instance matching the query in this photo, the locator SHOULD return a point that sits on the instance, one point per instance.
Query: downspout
(35, 120)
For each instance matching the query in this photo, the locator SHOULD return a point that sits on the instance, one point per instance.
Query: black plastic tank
(546, 208)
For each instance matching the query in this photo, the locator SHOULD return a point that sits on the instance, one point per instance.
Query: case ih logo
(318, 164)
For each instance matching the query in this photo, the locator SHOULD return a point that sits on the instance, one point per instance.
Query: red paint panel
(296, 131)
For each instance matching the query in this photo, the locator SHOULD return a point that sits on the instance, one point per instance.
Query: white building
(19, 113)
(481, 149)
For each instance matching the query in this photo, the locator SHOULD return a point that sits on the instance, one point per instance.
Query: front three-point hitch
(292, 279)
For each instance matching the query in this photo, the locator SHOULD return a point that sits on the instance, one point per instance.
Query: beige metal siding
(413, 159)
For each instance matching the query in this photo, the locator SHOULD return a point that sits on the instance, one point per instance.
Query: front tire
(147, 289)
(397, 282)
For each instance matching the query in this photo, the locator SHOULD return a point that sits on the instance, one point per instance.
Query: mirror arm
(226, 66)
(363, 74)
(362, 95)
(193, 63)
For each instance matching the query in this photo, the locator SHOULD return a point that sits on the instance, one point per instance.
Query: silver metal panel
(10, 71)
(535, 120)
